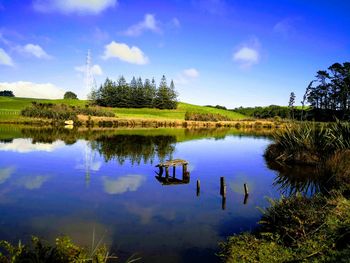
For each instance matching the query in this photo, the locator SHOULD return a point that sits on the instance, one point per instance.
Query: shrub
(64, 250)
(196, 116)
(95, 111)
(50, 111)
(307, 143)
(296, 229)
(62, 111)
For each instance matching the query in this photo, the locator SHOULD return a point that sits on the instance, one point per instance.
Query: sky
(226, 52)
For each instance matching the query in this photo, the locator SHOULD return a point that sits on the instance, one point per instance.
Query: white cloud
(73, 6)
(5, 59)
(33, 90)
(214, 7)
(246, 56)
(191, 73)
(175, 22)
(123, 184)
(286, 27)
(34, 50)
(186, 76)
(123, 52)
(148, 24)
(96, 69)
(26, 146)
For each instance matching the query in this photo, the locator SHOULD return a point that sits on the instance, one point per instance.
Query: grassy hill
(10, 109)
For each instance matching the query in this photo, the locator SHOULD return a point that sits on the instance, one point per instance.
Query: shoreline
(111, 122)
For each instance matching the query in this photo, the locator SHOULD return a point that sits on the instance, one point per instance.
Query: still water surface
(80, 183)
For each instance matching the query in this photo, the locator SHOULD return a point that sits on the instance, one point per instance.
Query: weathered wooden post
(222, 186)
(184, 170)
(245, 199)
(198, 187)
(246, 189)
(223, 203)
(166, 171)
(174, 169)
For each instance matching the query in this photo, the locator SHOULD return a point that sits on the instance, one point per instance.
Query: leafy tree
(70, 95)
(329, 93)
(7, 93)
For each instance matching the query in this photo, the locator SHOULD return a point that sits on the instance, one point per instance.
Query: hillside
(10, 109)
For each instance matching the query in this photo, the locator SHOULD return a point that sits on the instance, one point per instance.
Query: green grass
(11, 107)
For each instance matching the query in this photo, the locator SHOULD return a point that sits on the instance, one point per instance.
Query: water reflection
(44, 174)
(292, 179)
(5, 174)
(123, 184)
(135, 148)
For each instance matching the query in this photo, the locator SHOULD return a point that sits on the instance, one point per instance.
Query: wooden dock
(171, 181)
(175, 162)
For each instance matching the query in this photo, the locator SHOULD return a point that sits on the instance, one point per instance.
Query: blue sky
(232, 53)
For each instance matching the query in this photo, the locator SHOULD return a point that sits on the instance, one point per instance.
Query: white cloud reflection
(33, 182)
(123, 184)
(5, 174)
(26, 146)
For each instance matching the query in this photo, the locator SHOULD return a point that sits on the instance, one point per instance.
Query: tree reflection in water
(292, 179)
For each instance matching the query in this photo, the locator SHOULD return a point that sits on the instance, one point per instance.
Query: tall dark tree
(149, 92)
(165, 96)
(331, 93)
(291, 105)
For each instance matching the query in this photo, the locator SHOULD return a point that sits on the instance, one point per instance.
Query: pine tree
(165, 96)
(149, 92)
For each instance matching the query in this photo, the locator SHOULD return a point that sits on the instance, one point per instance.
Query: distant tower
(90, 81)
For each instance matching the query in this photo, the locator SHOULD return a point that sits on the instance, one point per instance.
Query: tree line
(329, 93)
(136, 94)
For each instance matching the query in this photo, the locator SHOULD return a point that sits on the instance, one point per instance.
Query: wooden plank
(175, 162)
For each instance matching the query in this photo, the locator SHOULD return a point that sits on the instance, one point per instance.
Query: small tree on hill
(70, 95)
(7, 93)
(291, 104)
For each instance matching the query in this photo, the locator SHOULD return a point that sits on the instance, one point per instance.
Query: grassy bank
(296, 229)
(64, 250)
(10, 109)
(301, 228)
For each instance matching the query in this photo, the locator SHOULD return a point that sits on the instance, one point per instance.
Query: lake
(101, 185)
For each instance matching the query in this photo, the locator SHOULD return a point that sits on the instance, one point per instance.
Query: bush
(64, 250)
(296, 229)
(309, 144)
(50, 111)
(6, 93)
(62, 111)
(195, 116)
(95, 111)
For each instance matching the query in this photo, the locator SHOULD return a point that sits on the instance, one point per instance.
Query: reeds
(308, 143)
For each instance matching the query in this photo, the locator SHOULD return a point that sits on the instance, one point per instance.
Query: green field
(10, 110)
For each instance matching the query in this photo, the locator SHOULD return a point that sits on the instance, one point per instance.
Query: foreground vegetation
(296, 229)
(309, 144)
(63, 251)
(301, 228)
